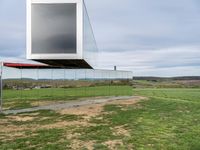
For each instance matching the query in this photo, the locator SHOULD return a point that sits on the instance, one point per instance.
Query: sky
(148, 37)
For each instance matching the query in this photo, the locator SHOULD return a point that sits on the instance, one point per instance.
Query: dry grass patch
(12, 128)
(7, 136)
(21, 118)
(44, 103)
(113, 144)
(78, 144)
(63, 124)
(87, 111)
(94, 110)
(126, 102)
(121, 131)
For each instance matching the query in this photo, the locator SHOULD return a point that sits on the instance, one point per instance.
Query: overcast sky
(149, 37)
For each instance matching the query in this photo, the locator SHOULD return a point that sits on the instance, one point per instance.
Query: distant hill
(187, 78)
(167, 78)
(159, 82)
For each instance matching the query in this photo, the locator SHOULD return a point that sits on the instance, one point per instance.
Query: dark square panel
(54, 29)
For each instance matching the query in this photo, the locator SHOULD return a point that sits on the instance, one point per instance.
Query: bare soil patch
(86, 111)
(113, 144)
(63, 124)
(44, 103)
(21, 118)
(77, 144)
(120, 130)
(127, 102)
(93, 110)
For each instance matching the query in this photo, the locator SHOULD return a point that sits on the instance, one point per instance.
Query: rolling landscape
(159, 82)
(164, 113)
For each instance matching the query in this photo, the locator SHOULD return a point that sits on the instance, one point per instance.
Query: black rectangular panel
(72, 64)
(54, 28)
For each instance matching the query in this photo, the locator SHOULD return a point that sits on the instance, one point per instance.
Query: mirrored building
(28, 85)
(59, 33)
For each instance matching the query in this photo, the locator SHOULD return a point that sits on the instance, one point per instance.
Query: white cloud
(164, 62)
(149, 37)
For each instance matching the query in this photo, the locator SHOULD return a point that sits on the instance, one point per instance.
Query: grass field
(17, 99)
(167, 119)
(166, 83)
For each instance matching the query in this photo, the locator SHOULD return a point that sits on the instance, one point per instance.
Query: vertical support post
(1, 87)
(52, 82)
(22, 84)
(85, 86)
(38, 90)
(64, 81)
(108, 79)
(75, 77)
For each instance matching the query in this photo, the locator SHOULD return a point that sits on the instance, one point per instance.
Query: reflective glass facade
(24, 88)
(59, 33)
(90, 49)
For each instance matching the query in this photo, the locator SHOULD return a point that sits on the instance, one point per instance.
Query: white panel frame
(79, 17)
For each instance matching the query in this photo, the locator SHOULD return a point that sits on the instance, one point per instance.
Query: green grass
(166, 83)
(18, 99)
(169, 120)
(41, 139)
(95, 132)
(192, 95)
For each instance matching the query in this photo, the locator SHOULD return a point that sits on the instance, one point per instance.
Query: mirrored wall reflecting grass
(24, 88)
(24, 98)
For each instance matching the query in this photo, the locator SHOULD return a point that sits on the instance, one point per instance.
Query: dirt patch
(77, 144)
(63, 124)
(120, 130)
(127, 102)
(113, 144)
(19, 130)
(72, 135)
(12, 131)
(9, 128)
(86, 111)
(33, 114)
(14, 135)
(96, 109)
(44, 103)
(3, 122)
(21, 118)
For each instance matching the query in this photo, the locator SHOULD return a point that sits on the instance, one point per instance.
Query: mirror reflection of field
(19, 94)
